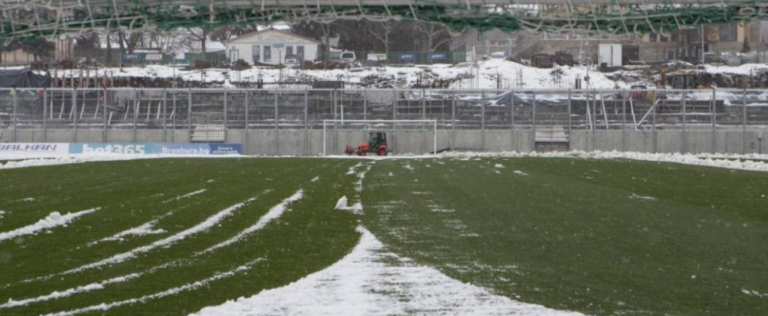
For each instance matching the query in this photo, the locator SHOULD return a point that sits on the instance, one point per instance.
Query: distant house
(271, 46)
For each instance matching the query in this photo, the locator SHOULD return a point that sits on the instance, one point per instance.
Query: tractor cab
(377, 144)
(377, 139)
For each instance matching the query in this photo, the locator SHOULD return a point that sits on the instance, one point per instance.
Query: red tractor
(376, 145)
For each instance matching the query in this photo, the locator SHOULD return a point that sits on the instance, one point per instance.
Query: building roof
(243, 37)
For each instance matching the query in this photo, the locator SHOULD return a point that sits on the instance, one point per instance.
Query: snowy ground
(373, 281)
(510, 72)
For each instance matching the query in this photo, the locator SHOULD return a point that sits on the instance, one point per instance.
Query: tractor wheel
(382, 152)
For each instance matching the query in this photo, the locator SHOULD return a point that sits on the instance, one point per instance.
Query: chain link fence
(554, 116)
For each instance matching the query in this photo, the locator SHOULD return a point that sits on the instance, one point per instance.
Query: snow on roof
(271, 30)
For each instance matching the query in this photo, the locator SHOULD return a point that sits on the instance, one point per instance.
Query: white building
(271, 46)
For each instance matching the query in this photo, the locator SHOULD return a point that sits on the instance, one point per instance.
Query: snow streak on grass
(52, 220)
(298, 232)
(70, 292)
(169, 292)
(206, 224)
(275, 212)
(190, 194)
(147, 228)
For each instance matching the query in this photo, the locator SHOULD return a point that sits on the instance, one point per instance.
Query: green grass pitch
(601, 237)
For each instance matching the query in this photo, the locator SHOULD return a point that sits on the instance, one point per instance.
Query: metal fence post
(45, 114)
(713, 111)
(512, 131)
(453, 118)
(104, 119)
(165, 112)
(307, 144)
(394, 117)
(423, 117)
(137, 95)
(247, 128)
(189, 115)
(277, 137)
(74, 116)
(482, 125)
(744, 122)
(655, 134)
(533, 134)
(226, 123)
(173, 117)
(394, 104)
(15, 116)
(624, 120)
(570, 110)
(594, 117)
(684, 136)
(365, 105)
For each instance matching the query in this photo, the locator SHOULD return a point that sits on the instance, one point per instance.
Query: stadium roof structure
(48, 18)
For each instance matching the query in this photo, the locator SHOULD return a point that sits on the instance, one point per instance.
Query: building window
(300, 52)
(728, 32)
(267, 53)
(288, 50)
(234, 55)
(256, 51)
(671, 54)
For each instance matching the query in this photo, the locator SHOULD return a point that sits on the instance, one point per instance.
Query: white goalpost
(395, 127)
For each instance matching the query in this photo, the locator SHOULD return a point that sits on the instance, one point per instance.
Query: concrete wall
(310, 142)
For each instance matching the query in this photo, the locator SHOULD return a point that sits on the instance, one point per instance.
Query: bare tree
(381, 31)
(435, 35)
(200, 34)
(128, 40)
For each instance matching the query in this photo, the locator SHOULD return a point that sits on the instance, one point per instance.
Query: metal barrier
(207, 115)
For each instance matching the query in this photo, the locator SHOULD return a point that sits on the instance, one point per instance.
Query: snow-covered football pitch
(564, 234)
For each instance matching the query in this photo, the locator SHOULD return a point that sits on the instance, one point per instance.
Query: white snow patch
(47, 160)
(360, 177)
(707, 160)
(368, 282)
(498, 166)
(190, 194)
(754, 293)
(354, 168)
(145, 229)
(52, 220)
(390, 174)
(315, 179)
(356, 208)
(519, 172)
(273, 213)
(69, 292)
(169, 292)
(29, 199)
(202, 226)
(408, 166)
(642, 197)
